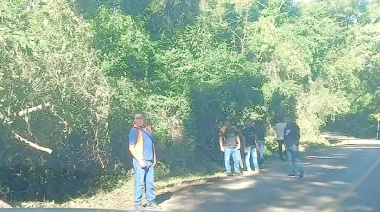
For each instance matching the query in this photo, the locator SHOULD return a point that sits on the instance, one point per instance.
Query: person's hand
(222, 149)
(154, 163)
(294, 146)
(238, 147)
(245, 150)
(142, 163)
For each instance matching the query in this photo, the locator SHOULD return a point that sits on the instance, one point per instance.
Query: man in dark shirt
(291, 140)
(229, 142)
(250, 146)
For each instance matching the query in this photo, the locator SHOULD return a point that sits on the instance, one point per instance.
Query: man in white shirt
(280, 132)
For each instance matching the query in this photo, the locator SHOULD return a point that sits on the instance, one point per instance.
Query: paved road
(345, 178)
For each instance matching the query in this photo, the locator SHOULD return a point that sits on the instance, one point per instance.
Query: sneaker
(229, 174)
(257, 171)
(249, 170)
(153, 206)
(291, 175)
(139, 208)
(300, 175)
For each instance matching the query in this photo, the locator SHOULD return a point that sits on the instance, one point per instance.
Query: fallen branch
(31, 144)
(4, 204)
(32, 109)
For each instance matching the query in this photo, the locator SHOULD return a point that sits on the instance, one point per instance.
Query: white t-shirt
(280, 130)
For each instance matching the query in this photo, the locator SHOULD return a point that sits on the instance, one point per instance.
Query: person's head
(248, 123)
(227, 122)
(288, 119)
(139, 119)
(279, 119)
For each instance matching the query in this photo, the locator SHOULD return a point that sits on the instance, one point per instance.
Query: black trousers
(280, 143)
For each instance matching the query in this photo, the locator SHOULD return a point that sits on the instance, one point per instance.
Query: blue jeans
(261, 152)
(234, 152)
(144, 178)
(294, 159)
(252, 152)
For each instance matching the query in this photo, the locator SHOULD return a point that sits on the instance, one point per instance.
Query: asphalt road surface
(344, 178)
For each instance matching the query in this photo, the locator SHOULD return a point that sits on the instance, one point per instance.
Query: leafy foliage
(187, 65)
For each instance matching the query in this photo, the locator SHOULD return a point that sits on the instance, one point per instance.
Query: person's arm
(256, 141)
(132, 142)
(276, 129)
(221, 143)
(245, 144)
(133, 151)
(154, 154)
(238, 141)
(297, 131)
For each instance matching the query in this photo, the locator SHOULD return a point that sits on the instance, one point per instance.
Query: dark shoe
(291, 175)
(153, 206)
(300, 175)
(139, 208)
(229, 174)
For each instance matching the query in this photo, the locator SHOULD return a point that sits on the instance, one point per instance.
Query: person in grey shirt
(279, 128)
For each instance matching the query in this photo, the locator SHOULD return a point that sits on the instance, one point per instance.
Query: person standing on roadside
(141, 146)
(291, 139)
(260, 137)
(250, 146)
(280, 132)
(229, 142)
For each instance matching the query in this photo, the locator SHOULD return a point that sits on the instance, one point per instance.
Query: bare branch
(31, 144)
(32, 109)
(279, 10)
(4, 204)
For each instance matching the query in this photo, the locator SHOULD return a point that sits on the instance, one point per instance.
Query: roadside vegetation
(73, 72)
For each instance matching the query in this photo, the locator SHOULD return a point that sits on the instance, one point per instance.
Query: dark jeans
(280, 143)
(144, 179)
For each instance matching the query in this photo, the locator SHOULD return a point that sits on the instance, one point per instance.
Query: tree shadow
(322, 188)
(210, 105)
(163, 197)
(66, 173)
(359, 124)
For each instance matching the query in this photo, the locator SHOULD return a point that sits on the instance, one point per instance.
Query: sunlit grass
(122, 196)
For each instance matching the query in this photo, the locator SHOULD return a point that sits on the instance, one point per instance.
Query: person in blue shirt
(141, 146)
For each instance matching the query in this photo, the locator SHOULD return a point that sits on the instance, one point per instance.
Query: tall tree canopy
(73, 72)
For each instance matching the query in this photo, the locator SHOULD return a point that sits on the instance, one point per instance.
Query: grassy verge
(122, 196)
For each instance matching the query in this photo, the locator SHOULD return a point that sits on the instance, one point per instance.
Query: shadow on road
(335, 180)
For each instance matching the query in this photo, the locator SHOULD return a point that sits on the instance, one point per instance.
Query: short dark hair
(138, 113)
(288, 116)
